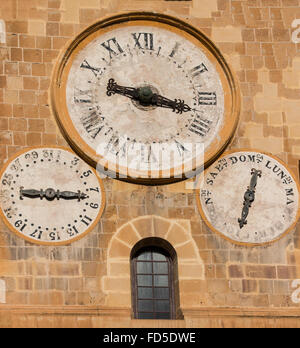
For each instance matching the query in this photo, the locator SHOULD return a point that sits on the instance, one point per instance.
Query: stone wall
(82, 282)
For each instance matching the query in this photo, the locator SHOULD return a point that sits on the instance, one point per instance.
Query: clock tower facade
(79, 248)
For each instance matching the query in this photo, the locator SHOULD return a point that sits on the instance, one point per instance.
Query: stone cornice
(211, 312)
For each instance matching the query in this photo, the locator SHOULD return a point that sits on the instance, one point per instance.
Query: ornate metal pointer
(50, 194)
(146, 97)
(249, 196)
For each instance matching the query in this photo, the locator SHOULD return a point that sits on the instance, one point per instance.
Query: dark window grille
(153, 284)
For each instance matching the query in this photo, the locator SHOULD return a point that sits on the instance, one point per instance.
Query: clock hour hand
(146, 97)
(71, 195)
(249, 196)
(51, 194)
(114, 88)
(29, 193)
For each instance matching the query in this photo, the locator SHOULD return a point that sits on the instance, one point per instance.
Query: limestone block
(118, 300)
(14, 83)
(227, 34)
(119, 284)
(9, 268)
(177, 235)
(190, 271)
(270, 89)
(294, 131)
(128, 235)
(291, 108)
(119, 269)
(161, 227)
(262, 103)
(253, 130)
(203, 8)
(144, 226)
(296, 150)
(90, 3)
(265, 144)
(70, 11)
(37, 28)
(119, 250)
(275, 118)
(187, 251)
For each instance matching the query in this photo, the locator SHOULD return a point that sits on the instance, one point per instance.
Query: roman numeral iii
(207, 98)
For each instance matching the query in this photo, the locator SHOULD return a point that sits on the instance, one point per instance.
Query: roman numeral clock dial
(50, 196)
(145, 97)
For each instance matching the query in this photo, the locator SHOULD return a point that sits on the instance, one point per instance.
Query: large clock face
(50, 196)
(145, 99)
(249, 197)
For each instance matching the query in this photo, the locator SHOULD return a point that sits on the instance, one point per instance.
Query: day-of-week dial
(144, 85)
(249, 197)
(50, 196)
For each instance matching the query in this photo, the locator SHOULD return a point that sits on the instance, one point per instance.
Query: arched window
(155, 293)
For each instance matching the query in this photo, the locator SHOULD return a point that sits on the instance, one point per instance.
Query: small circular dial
(145, 96)
(50, 196)
(249, 197)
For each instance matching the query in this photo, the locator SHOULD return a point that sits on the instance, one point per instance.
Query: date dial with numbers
(50, 196)
(146, 97)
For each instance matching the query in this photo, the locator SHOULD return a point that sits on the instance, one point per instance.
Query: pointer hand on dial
(249, 196)
(146, 97)
(50, 194)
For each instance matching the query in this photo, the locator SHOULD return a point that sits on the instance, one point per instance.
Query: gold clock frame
(219, 233)
(59, 108)
(31, 240)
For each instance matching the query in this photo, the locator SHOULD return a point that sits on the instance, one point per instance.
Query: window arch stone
(117, 285)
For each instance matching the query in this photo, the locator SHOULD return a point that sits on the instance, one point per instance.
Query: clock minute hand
(51, 194)
(249, 196)
(177, 105)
